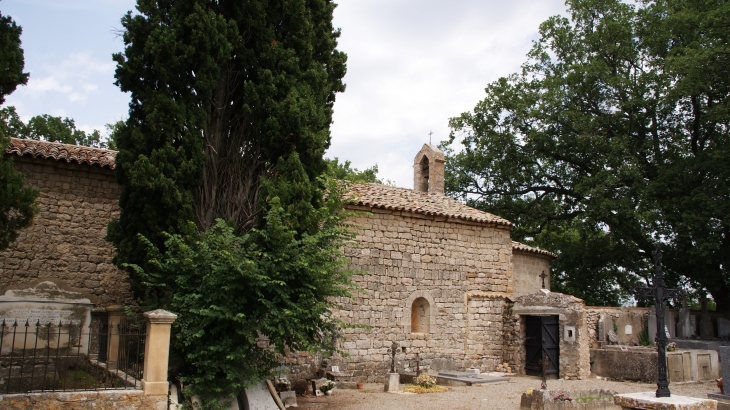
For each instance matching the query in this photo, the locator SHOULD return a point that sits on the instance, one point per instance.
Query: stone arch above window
(420, 316)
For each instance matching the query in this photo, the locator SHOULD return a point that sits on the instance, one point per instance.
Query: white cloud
(71, 77)
(414, 64)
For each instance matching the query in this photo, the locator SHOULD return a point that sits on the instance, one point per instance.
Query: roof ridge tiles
(58, 151)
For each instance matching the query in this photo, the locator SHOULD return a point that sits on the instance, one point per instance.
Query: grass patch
(413, 388)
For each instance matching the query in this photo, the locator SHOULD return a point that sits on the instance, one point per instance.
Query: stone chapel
(441, 276)
(444, 281)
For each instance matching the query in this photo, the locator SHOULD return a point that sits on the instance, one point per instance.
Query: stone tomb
(466, 379)
(45, 303)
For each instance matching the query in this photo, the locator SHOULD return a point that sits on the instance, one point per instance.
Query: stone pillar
(116, 316)
(157, 351)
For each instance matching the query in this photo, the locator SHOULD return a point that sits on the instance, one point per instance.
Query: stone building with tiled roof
(440, 276)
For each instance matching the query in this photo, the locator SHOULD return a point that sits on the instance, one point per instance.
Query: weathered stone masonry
(462, 269)
(65, 243)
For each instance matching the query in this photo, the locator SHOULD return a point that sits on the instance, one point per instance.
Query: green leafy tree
(344, 172)
(230, 109)
(53, 129)
(17, 202)
(613, 136)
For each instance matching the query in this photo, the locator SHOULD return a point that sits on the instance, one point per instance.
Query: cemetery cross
(661, 293)
(543, 276)
(393, 350)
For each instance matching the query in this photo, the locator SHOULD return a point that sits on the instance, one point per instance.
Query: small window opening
(420, 316)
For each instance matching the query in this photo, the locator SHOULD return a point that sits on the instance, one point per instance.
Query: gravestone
(259, 397)
(651, 327)
(684, 326)
(613, 337)
(723, 397)
(46, 303)
(602, 331)
(669, 323)
(706, 329)
(724, 352)
(723, 328)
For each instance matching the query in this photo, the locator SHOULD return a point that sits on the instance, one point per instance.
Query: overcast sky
(412, 64)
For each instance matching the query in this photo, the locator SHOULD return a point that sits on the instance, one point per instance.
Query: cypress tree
(17, 202)
(220, 90)
(224, 218)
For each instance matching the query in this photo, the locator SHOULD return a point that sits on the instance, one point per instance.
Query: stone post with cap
(157, 351)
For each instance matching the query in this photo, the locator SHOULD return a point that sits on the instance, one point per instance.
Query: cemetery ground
(496, 396)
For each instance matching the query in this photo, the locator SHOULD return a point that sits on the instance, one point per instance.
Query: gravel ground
(499, 396)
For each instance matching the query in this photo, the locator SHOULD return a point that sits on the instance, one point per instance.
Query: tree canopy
(54, 129)
(343, 171)
(17, 202)
(613, 136)
(223, 214)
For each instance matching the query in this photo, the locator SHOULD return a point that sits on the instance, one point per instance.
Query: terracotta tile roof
(427, 203)
(62, 152)
(516, 246)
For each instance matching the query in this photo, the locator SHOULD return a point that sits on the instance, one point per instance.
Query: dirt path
(503, 396)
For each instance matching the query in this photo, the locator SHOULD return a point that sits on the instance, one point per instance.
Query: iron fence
(38, 356)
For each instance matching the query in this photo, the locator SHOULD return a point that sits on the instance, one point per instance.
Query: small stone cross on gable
(543, 276)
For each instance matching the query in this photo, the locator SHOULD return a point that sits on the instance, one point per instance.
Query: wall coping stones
(160, 316)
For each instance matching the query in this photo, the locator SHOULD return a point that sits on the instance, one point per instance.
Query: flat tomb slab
(648, 400)
(465, 378)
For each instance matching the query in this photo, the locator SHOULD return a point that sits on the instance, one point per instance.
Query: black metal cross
(661, 293)
(543, 276)
(393, 350)
(429, 136)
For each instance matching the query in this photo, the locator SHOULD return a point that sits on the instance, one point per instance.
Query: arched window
(420, 316)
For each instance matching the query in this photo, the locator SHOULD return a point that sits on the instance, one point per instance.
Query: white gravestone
(43, 304)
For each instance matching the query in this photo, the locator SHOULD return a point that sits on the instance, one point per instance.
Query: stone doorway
(542, 335)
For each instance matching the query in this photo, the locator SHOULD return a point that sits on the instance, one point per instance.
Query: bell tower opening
(423, 187)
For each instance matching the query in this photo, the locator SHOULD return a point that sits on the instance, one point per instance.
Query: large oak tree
(614, 136)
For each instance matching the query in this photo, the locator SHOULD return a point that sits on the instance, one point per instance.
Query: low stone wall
(638, 364)
(96, 400)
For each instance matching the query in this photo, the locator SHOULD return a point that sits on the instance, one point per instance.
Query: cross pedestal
(647, 400)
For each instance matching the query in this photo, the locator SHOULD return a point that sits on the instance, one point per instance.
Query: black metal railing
(65, 356)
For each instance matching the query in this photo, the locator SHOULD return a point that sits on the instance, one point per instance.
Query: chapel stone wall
(527, 269)
(464, 273)
(65, 243)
